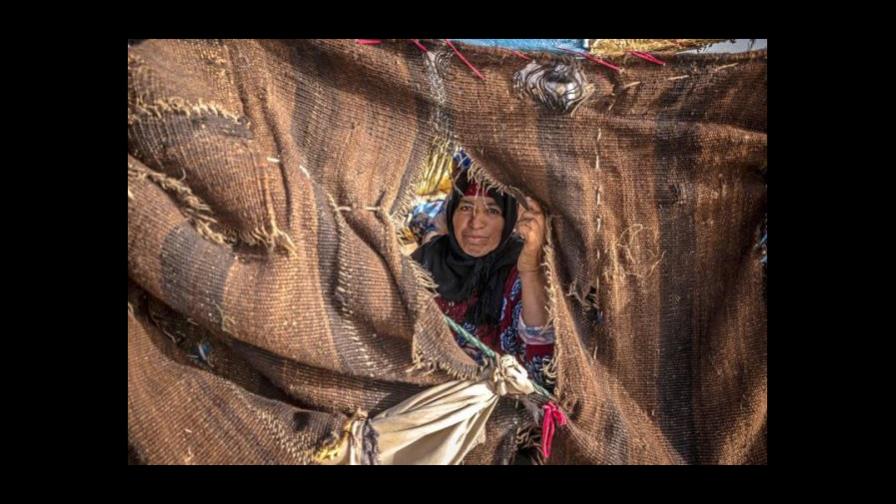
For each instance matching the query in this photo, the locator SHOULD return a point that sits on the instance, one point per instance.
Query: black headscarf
(459, 275)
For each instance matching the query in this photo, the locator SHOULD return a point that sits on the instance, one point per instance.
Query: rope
(488, 352)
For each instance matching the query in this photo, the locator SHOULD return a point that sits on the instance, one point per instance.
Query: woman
(489, 280)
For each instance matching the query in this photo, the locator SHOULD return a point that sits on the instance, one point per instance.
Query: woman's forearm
(534, 298)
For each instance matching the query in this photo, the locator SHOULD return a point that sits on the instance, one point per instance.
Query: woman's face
(478, 224)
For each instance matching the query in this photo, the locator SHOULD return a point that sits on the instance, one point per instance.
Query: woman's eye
(494, 211)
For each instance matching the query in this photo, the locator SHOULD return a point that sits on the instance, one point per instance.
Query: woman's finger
(531, 222)
(534, 207)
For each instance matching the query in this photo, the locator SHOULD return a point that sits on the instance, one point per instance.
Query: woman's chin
(476, 251)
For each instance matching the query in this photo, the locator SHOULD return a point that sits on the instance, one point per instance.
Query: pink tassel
(654, 58)
(552, 415)
(647, 56)
(592, 58)
(418, 44)
(461, 56)
(521, 55)
(368, 41)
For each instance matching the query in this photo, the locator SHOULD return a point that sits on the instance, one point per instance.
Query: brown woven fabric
(268, 297)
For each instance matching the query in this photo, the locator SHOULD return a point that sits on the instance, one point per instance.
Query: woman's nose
(477, 220)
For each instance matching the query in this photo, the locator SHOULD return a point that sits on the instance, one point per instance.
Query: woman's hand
(531, 227)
